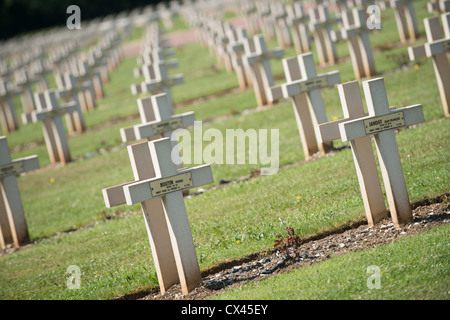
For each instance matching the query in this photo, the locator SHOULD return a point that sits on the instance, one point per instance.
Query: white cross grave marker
(161, 120)
(8, 119)
(437, 6)
(300, 30)
(358, 41)
(72, 92)
(159, 190)
(380, 123)
(321, 27)
(366, 167)
(261, 71)
(13, 227)
(26, 84)
(50, 113)
(437, 47)
(162, 83)
(306, 93)
(405, 17)
(236, 49)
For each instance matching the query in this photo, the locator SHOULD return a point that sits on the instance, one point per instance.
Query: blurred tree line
(19, 16)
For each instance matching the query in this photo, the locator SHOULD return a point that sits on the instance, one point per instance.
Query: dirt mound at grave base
(427, 213)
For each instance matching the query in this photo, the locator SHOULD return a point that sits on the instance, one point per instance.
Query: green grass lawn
(234, 220)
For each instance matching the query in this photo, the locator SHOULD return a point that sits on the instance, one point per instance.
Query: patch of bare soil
(358, 236)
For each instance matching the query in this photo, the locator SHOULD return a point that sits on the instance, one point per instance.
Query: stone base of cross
(158, 188)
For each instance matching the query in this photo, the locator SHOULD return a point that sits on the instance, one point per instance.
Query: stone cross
(87, 73)
(282, 30)
(437, 47)
(159, 119)
(405, 17)
(320, 25)
(85, 87)
(8, 119)
(438, 6)
(261, 71)
(24, 81)
(366, 167)
(13, 226)
(381, 123)
(158, 187)
(236, 49)
(50, 113)
(162, 83)
(358, 41)
(305, 92)
(40, 70)
(73, 92)
(300, 30)
(98, 62)
(151, 57)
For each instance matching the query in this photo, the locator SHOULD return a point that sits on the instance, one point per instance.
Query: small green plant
(288, 242)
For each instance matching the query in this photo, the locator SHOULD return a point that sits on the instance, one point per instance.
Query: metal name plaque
(446, 46)
(386, 122)
(10, 169)
(316, 83)
(174, 183)
(167, 125)
(57, 112)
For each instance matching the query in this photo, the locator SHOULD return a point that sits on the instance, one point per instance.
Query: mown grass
(235, 220)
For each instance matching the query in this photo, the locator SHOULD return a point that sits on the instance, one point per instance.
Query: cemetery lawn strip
(412, 267)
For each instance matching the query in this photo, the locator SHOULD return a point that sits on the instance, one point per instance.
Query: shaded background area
(20, 16)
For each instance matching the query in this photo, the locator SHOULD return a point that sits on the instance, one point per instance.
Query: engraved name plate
(386, 122)
(12, 168)
(316, 83)
(170, 184)
(167, 125)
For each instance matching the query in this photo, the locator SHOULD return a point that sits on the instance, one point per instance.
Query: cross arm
(115, 196)
(19, 166)
(152, 128)
(258, 57)
(301, 86)
(436, 47)
(329, 131)
(37, 116)
(158, 84)
(417, 52)
(141, 191)
(365, 126)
